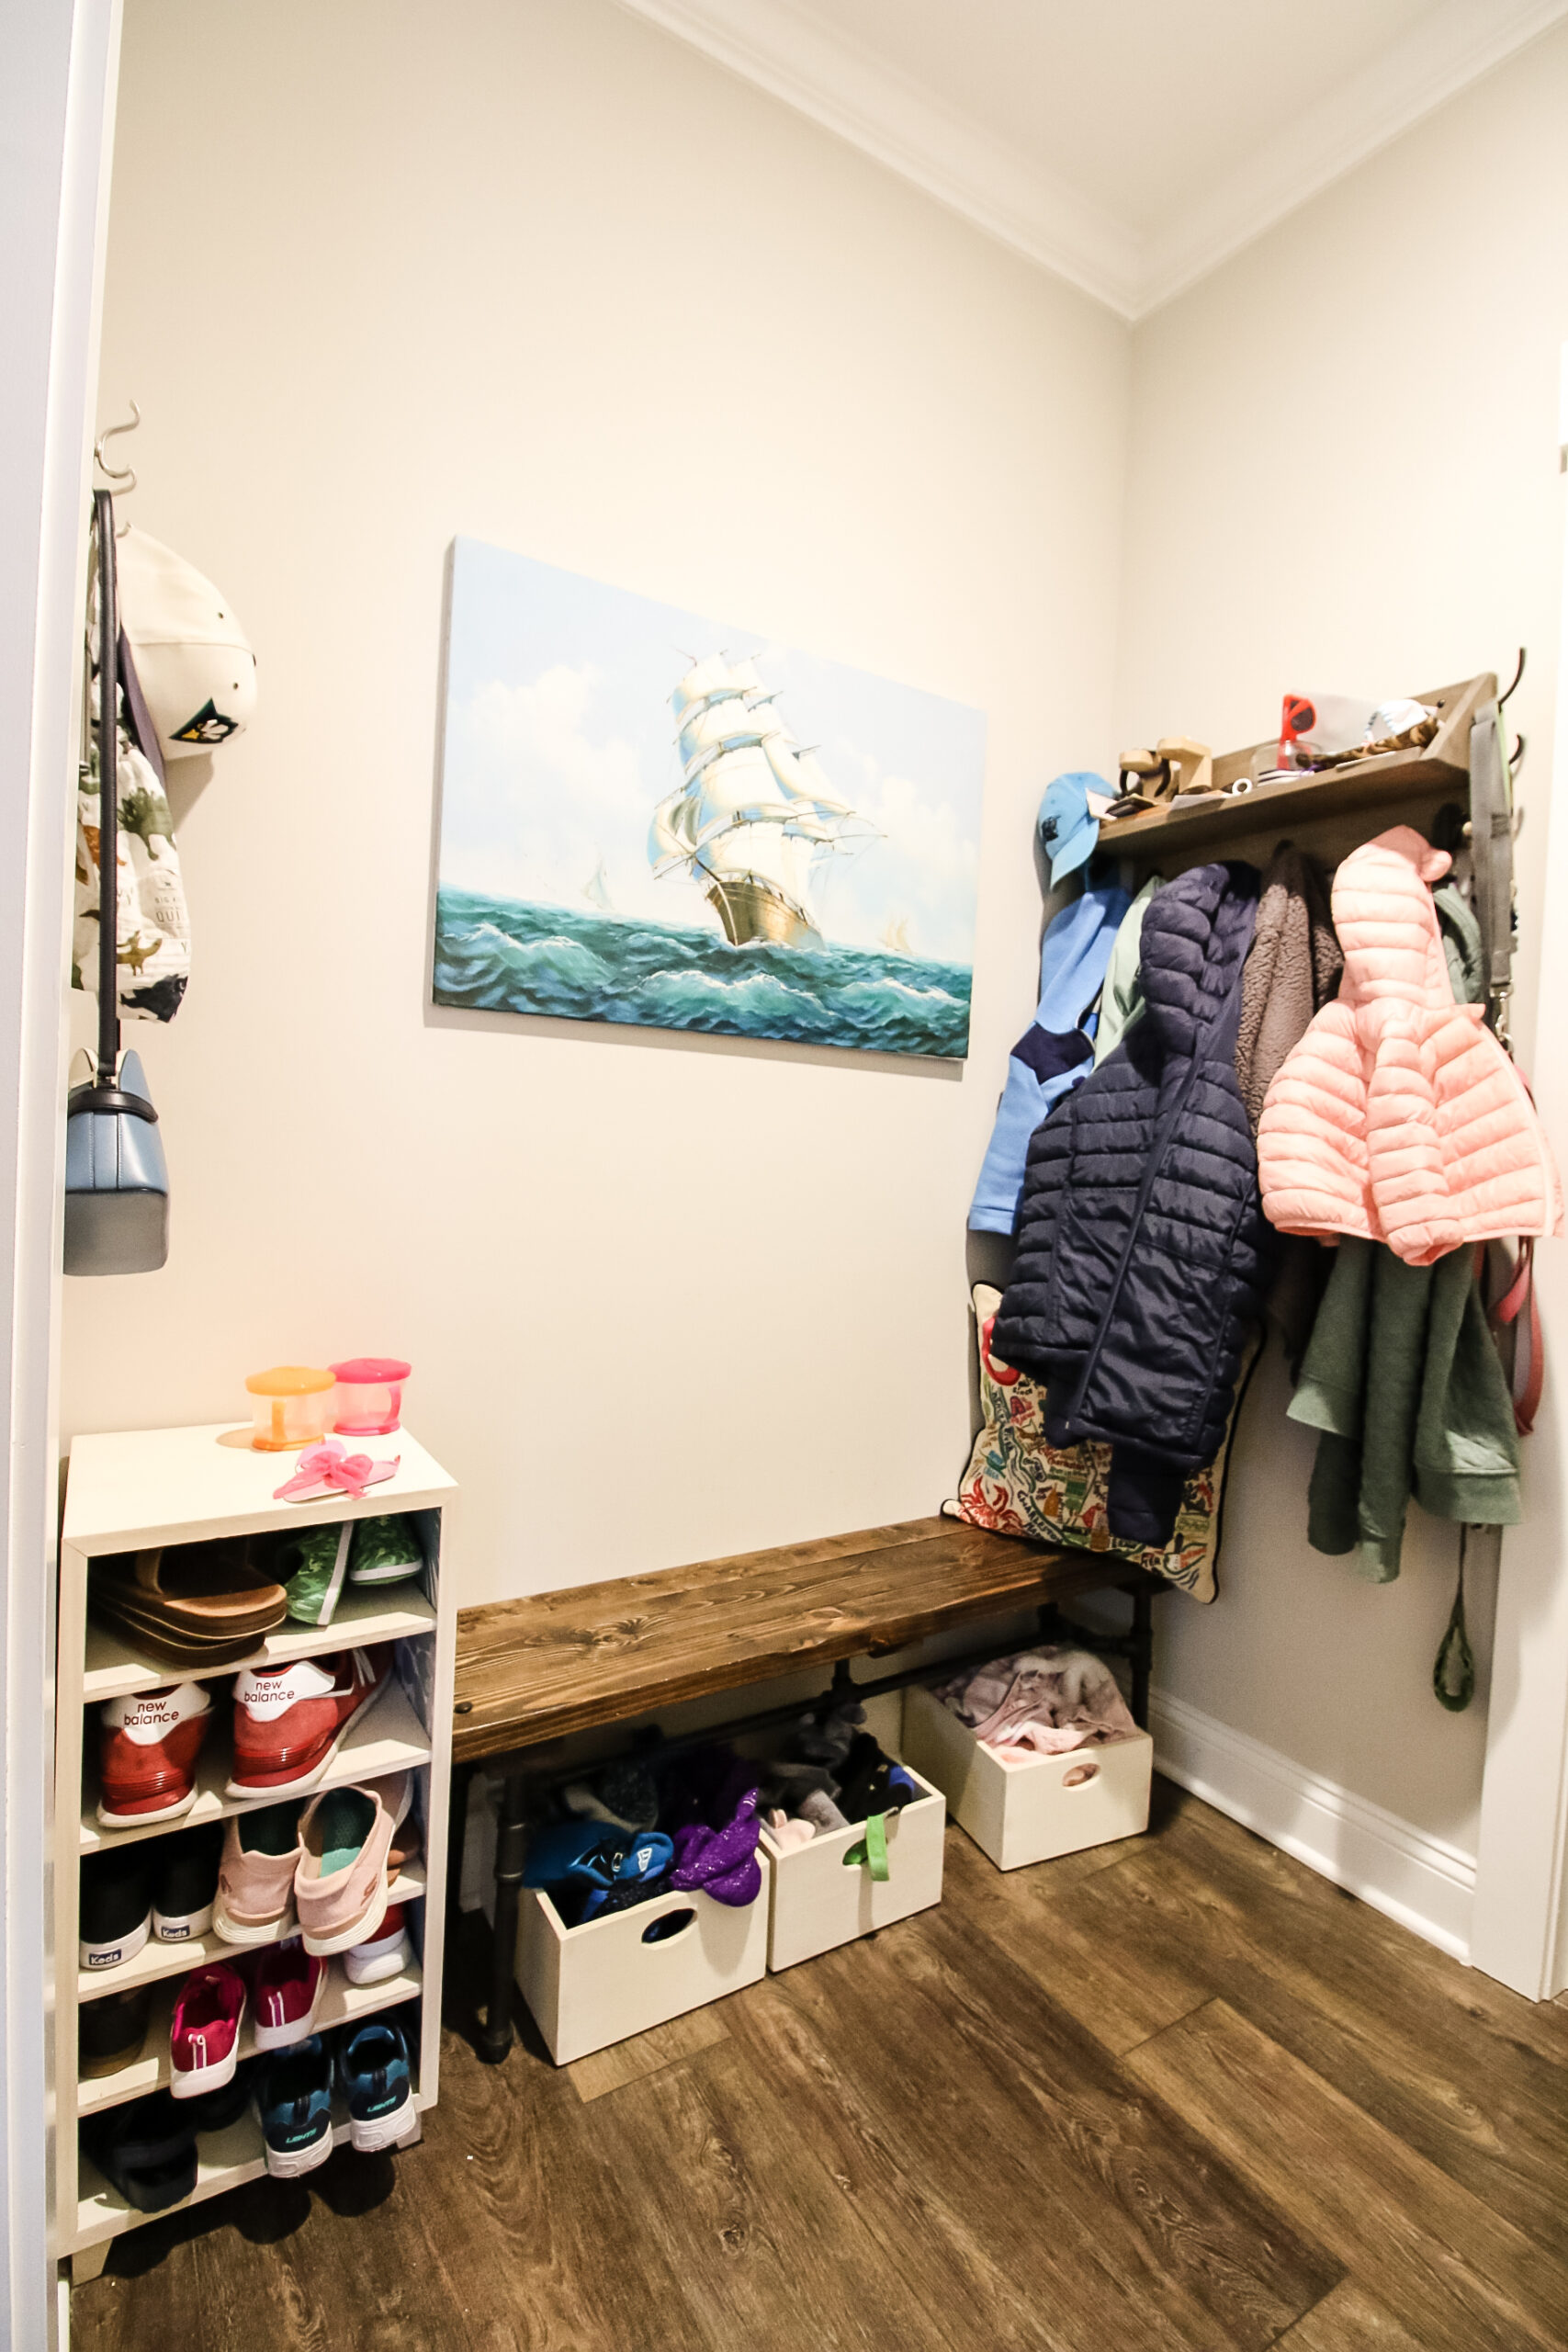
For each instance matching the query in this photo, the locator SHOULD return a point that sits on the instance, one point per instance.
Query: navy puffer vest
(1142, 1246)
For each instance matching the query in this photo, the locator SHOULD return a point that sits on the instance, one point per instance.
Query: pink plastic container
(369, 1400)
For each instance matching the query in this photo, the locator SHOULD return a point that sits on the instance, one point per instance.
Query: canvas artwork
(647, 816)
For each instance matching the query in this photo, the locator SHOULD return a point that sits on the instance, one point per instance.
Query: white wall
(1345, 475)
(378, 275)
(56, 106)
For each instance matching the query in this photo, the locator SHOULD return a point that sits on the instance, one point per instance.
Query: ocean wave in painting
(502, 956)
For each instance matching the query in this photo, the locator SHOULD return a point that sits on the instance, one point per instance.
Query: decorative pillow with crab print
(1019, 1486)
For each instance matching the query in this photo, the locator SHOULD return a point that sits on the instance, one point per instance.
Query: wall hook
(124, 475)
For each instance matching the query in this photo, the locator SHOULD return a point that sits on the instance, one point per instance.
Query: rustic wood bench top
(534, 1669)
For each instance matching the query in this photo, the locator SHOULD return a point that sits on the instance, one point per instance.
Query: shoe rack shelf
(224, 2160)
(389, 1739)
(128, 1493)
(362, 1616)
(156, 1960)
(340, 2001)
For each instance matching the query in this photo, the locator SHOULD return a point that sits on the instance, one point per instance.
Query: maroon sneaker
(148, 1743)
(289, 1721)
(204, 2034)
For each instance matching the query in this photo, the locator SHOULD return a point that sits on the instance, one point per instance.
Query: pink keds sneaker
(147, 1750)
(255, 1904)
(340, 1888)
(289, 1721)
(288, 1984)
(204, 2037)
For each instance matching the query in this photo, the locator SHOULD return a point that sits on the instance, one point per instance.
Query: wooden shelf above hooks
(1439, 769)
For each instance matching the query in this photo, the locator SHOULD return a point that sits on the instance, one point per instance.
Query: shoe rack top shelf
(385, 1737)
(157, 1959)
(1227, 823)
(340, 2001)
(366, 1613)
(135, 1489)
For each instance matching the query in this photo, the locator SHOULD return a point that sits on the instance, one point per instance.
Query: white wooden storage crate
(1038, 1806)
(820, 1898)
(601, 1983)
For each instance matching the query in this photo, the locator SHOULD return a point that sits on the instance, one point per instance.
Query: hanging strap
(1520, 1301)
(1492, 859)
(872, 1853)
(108, 794)
(1454, 1672)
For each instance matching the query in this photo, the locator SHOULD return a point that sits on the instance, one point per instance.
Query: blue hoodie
(1056, 1052)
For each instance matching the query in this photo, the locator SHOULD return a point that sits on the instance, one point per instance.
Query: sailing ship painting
(752, 809)
(651, 818)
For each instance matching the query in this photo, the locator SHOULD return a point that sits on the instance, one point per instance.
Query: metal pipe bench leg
(1141, 1651)
(511, 1850)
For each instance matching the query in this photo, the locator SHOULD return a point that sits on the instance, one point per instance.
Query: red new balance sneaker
(148, 1745)
(289, 1720)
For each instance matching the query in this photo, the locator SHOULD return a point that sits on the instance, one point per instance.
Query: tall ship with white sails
(752, 813)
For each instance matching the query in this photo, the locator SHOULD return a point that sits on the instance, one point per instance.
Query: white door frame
(1519, 1932)
(57, 94)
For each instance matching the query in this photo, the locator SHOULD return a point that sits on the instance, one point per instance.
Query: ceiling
(1129, 145)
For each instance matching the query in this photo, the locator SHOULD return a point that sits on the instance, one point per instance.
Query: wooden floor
(1176, 2092)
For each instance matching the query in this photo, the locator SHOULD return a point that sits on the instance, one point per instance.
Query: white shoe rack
(125, 1493)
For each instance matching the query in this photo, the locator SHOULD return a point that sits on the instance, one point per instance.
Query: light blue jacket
(1055, 1053)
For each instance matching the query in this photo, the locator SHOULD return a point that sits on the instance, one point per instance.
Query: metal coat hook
(123, 477)
(1519, 666)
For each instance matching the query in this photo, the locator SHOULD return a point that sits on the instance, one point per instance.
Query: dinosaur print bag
(152, 928)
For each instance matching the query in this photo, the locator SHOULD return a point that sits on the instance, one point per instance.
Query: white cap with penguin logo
(197, 671)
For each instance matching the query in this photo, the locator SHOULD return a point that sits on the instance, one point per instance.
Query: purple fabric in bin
(723, 1862)
(710, 1809)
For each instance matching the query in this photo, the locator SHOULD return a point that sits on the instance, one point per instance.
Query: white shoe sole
(385, 2131)
(108, 1820)
(100, 1957)
(190, 2084)
(288, 2164)
(284, 2037)
(276, 1931)
(182, 1926)
(362, 1931)
(278, 1790)
(385, 1964)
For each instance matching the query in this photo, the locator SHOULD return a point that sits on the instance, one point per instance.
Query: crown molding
(1411, 78)
(791, 51)
(823, 73)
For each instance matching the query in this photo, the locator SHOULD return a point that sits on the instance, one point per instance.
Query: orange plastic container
(291, 1405)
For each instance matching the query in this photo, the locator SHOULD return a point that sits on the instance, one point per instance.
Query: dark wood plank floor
(1177, 2092)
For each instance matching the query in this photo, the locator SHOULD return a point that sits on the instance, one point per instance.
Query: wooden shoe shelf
(126, 1493)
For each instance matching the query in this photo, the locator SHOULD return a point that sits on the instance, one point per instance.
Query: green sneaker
(311, 1569)
(384, 1550)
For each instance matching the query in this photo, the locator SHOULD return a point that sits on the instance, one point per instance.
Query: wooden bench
(532, 1672)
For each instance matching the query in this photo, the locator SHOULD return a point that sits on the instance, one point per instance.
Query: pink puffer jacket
(1399, 1116)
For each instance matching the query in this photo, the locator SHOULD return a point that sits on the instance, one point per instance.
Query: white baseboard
(1418, 1880)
